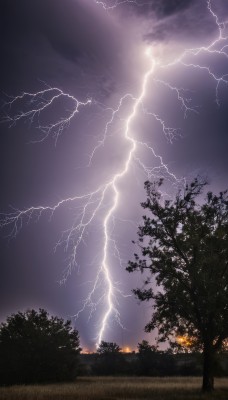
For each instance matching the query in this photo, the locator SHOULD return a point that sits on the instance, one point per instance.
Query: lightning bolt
(90, 205)
(116, 3)
(218, 47)
(92, 201)
(40, 101)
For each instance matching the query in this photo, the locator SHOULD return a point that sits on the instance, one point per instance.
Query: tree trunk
(208, 368)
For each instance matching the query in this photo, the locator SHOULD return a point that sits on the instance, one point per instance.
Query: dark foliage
(109, 360)
(184, 247)
(155, 363)
(35, 347)
(152, 362)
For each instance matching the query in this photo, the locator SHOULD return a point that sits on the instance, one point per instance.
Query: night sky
(98, 53)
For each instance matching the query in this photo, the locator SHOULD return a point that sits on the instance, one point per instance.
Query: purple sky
(96, 51)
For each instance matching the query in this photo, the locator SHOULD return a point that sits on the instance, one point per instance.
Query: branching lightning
(111, 5)
(218, 47)
(94, 202)
(39, 102)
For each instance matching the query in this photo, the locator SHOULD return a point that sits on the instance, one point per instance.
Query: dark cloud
(188, 24)
(37, 36)
(160, 8)
(63, 24)
(172, 6)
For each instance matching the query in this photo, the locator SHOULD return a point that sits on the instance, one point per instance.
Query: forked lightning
(93, 203)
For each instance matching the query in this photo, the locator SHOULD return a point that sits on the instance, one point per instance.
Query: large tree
(184, 252)
(36, 347)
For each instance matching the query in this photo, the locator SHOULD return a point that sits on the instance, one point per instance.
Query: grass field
(114, 388)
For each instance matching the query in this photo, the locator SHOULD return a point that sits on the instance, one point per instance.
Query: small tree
(108, 348)
(184, 246)
(37, 348)
(154, 362)
(109, 361)
(147, 358)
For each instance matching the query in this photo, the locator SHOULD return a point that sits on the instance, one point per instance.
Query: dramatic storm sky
(96, 50)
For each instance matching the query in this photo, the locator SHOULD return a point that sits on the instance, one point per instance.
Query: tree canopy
(108, 348)
(36, 347)
(184, 252)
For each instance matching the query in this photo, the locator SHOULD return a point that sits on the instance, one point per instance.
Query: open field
(114, 388)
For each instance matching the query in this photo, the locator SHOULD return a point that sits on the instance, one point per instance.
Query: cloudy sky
(74, 136)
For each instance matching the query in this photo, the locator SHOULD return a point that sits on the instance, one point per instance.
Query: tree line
(147, 360)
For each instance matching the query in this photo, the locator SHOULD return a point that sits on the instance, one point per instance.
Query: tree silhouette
(110, 361)
(184, 249)
(108, 348)
(35, 347)
(148, 360)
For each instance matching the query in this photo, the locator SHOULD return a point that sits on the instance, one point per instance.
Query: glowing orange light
(184, 341)
(86, 351)
(126, 349)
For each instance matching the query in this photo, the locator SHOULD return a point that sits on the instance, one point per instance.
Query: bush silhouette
(36, 347)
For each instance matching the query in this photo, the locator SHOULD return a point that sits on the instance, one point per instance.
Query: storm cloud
(99, 53)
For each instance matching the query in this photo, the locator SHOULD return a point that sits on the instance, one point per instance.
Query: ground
(114, 388)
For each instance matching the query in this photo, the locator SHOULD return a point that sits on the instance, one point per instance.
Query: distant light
(126, 349)
(86, 351)
(185, 341)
